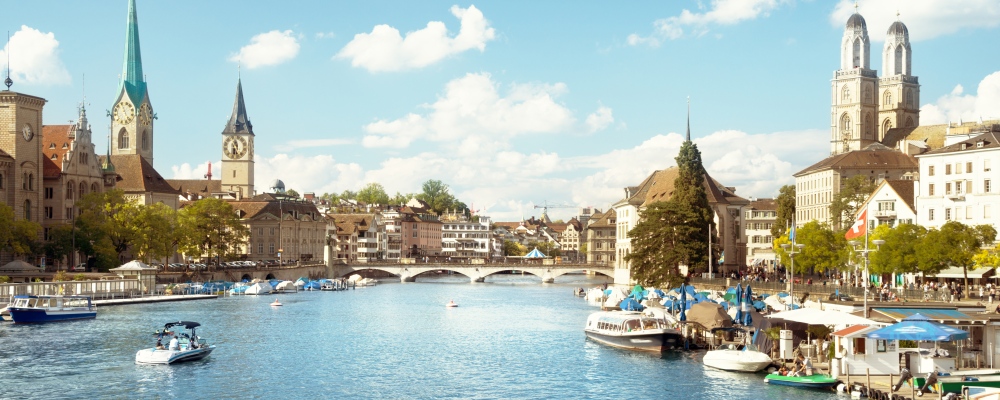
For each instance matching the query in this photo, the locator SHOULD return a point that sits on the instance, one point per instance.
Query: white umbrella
(813, 316)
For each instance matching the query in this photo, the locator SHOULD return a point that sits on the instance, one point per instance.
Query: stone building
(601, 237)
(758, 217)
(282, 228)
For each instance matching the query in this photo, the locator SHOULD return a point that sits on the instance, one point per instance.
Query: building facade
(237, 149)
(759, 216)
(957, 182)
(601, 240)
(465, 238)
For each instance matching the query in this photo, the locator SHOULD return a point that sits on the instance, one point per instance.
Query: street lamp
(792, 249)
(864, 251)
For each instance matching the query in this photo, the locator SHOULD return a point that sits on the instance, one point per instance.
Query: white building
(957, 182)
(891, 203)
(464, 238)
(758, 218)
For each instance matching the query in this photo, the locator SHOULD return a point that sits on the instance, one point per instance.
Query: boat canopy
(186, 324)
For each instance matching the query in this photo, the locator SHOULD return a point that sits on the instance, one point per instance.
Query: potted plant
(820, 332)
(774, 333)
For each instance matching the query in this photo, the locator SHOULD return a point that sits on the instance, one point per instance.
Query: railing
(96, 289)
(820, 291)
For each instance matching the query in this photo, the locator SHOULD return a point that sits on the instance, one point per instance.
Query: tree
(60, 243)
(785, 203)
(548, 248)
(848, 201)
(964, 243)
(348, 195)
(292, 193)
(157, 232)
(436, 195)
(400, 199)
(113, 216)
(511, 248)
(373, 193)
(899, 252)
(211, 228)
(18, 236)
(823, 249)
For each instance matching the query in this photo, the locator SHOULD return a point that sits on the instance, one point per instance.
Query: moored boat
(633, 331)
(731, 357)
(35, 309)
(816, 381)
(183, 345)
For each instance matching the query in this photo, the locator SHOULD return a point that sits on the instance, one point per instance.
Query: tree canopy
(373, 193)
(211, 229)
(785, 203)
(438, 196)
(848, 201)
(19, 236)
(823, 249)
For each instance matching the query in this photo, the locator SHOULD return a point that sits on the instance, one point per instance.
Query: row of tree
(908, 248)
(434, 192)
(109, 226)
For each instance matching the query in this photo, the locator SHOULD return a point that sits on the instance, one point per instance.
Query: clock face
(235, 147)
(145, 114)
(124, 112)
(27, 133)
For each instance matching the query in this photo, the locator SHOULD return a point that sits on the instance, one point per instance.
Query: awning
(814, 316)
(957, 272)
(855, 331)
(941, 315)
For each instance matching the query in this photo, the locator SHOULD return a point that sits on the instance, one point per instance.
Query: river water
(510, 338)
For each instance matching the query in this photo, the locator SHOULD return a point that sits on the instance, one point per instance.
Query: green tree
(899, 253)
(373, 193)
(511, 248)
(211, 228)
(848, 201)
(400, 199)
(60, 243)
(348, 195)
(436, 194)
(292, 193)
(932, 253)
(548, 248)
(18, 236)
(157, 232)
(965, 243)
(785, 203)
(823, 249)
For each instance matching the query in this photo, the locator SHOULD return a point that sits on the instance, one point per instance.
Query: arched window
(123, 139)
(31, 181)
(24, 181)
(899, 59)
(845, 94)
(886, 125)
(868, 125)
(70, 187)
(1, 181)
(83, 189)
(93, 187)
(909, 99)
(845, 126)
(868, 94)
(887, 99)
(27, 210)
(909, 122)
(145, 140)
(857, 53)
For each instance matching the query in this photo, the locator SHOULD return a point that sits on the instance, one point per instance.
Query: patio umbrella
(683, 316)
(746, 304)
(919, 327)
(739, 303)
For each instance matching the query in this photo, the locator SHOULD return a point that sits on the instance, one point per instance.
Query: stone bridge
(475, 272)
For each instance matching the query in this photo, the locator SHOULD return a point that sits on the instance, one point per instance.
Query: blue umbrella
(746, 304)
(919, 327)
(629, 304)
(738, 301)
(683, 316)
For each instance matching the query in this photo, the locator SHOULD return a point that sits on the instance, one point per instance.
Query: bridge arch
(246, 278)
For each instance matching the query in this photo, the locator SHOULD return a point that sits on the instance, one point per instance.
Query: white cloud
(721, 12)
(312, 143)
(471, 113)
(600, 119)
(385, 50)
(34, 58)
(268, 48)
(325, 35)
(925, 19)
(186, 171)
(958, 106)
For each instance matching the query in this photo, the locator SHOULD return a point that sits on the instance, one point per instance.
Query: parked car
(79, 268)
(840, 297)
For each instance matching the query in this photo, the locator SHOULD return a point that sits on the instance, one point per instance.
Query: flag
(722, 257)
(791, 234)
(860, 226)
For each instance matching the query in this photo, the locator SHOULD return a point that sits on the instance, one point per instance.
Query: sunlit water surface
(510, 338)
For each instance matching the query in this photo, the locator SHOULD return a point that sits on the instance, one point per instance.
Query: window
(947, 188)
(887, 98)
(70, 187)
(1, 181)
(27, 210)
(272, 234)
(270, 248)
(986, 211)
(83, 189)
(845, 126)
(986, 186)
(48, 212)
(31, 181)
(947, 169)
(958, 168)
(930, 170)
(968, 167)
(145, 140)
(859, 345)
(947, 214)
(123, 139)
(49, 192)
(958, 187)
(69, 212)
(930, 214)
(93, 187)
(930, 189)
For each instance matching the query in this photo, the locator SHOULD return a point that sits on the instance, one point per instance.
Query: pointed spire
(689, 120)
(107, 167)
(133, 81)
(238, 121)
(7, 81)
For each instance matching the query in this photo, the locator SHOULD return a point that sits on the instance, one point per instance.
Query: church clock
(124, 112)
(234, 147)
(27, 133)
(145, 114)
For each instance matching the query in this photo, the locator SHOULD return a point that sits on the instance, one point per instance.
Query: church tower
(237, 149)
(854, 107)
(132, 113)
(900, 90)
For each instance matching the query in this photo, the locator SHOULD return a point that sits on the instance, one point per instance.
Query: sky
(513, 104)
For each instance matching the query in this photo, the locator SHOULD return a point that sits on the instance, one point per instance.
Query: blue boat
(36, 309)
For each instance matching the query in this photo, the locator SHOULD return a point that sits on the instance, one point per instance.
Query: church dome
(278, 186)
(898, 28)
(857, 22)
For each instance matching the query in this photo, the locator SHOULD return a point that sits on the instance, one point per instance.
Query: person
(796, 366)
(993, 294)
(159, 344)
(174, 344)
(783, 371)
(807, 366)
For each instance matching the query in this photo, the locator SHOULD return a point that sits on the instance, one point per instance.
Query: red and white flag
(860, 226)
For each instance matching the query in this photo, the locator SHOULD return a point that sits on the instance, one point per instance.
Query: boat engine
(904, 375)
(928, 383)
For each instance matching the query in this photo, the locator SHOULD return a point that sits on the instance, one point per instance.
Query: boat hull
(36, 315)
(655, 342)
(819, 381)
(154, 356)
(737, 360)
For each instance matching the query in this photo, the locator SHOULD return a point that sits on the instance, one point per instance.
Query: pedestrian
(981, 292)
(993, 293)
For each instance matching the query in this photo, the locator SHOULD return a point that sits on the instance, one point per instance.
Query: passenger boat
(633, 331)
(189, 346)
(731, 357)
(816, 381)
(33, 309)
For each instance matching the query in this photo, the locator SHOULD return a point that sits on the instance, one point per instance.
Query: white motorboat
(632, 330)
(183, 346)
(258, 288)
(731, 357)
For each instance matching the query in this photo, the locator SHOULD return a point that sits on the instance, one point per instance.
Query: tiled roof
(349, 223)
(3, 154)
(203, 186)
(605, 220)
(56, 142)
(904, 188)
(933, 135)
(260, 206)
(989, 140)
(138, 175)
(763, 204)
(876, 157)
(659, 186)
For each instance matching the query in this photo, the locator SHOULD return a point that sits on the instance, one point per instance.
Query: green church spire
(133, 81)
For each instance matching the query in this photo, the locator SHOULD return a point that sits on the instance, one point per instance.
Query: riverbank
(153, 299)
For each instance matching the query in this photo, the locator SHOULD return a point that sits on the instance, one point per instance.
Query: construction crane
(546, 206)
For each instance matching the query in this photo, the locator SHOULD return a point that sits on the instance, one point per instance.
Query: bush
(60, 276)
(4, 279)
(79, 277)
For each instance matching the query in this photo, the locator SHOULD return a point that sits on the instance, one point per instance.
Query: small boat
(731, 357)
(184, 345)
(816, 381)
(451, 303)
(32, 309)
(259, 288)
(632, 330)
(276, 303)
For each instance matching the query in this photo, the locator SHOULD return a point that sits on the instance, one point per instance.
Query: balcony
(885, 214)
(956, 196)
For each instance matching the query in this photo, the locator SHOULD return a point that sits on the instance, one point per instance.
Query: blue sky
(511, 103)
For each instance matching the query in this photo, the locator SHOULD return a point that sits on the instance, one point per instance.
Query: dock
(152, 299)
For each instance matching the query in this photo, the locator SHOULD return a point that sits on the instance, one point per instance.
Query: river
(510, 338)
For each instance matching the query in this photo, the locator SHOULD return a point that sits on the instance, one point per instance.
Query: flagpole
(867, 278)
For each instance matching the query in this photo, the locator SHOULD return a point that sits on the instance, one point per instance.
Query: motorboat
(451, 303)
(815, 381)
(286, 287)
(184, 345)
(276, 303)
(34, 309)
(740, 358)
(259, 288)
(632, 330)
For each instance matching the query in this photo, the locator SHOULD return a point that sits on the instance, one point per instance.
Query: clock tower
(854, 106)
(237, 149)
(132, 113)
